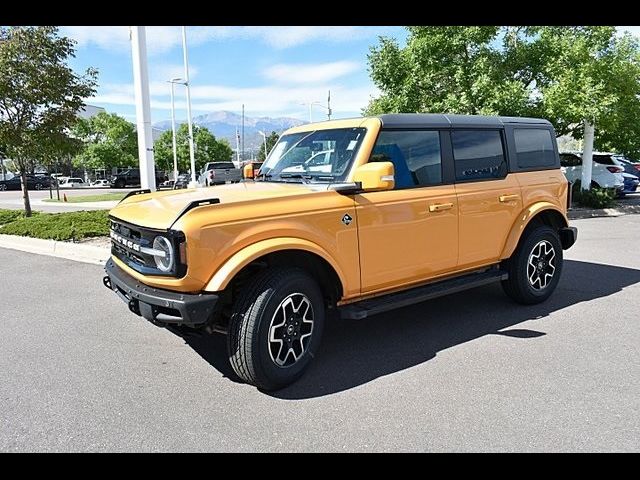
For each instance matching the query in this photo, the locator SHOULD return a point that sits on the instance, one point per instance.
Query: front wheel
(38, 186)
(276, 327)
(3, 187)
(535, 267)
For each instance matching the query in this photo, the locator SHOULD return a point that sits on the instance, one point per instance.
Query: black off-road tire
(248, 344)
(519, 286)
(120, 183)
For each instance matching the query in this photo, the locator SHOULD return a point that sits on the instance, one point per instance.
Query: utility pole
(193, 182)
(243, 131)
(143, 108)
(238, 147)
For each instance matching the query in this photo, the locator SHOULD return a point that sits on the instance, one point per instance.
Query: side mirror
(375, 176)
(247, 170)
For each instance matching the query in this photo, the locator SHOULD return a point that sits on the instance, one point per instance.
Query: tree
(110, 141)
(272, 139)
(573, 76)
(446, 70)
(207, 148)
(39, 93)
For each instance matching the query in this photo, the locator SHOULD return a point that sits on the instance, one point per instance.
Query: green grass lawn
(102, 197)
(55, 226)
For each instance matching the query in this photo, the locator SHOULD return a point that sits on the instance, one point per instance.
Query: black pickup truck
(131, 178)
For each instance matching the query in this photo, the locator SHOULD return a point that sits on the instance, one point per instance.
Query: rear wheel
(535, 267)
(38, 186)
(120, 183)
(3, 187)
(276, 327)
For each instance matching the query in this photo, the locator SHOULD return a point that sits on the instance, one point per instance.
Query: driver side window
(415, 154)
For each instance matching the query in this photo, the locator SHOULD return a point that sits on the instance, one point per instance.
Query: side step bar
(373, 306)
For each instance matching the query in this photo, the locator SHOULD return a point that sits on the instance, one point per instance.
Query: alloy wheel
(290, 330)
(541, 266)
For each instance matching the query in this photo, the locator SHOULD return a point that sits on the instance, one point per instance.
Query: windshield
(317, 156)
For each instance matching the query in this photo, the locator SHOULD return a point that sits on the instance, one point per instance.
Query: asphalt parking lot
(468, 372)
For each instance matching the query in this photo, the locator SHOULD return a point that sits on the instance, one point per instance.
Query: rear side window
(415, 155)
(478, 155)
(570, 160)
(222, 165)
(603, 159)
(534, 148)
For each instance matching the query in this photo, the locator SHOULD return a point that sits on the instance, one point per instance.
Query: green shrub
(60, 226)
(8, 216)
(595, 197)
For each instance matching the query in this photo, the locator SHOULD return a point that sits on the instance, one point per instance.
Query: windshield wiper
(305, 179)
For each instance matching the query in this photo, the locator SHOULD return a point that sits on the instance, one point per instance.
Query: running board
(373, 306)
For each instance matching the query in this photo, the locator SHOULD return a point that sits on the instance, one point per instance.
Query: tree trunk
(25, 193)
(587, 155)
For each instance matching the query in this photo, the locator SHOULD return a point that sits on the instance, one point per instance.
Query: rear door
(489, 199)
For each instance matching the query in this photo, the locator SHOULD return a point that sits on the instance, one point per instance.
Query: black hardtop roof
(440, 120)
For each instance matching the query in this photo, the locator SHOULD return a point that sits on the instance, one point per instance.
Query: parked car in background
(131, 178)
(34, 182)
(629, 172)
(103, 182)
(218, 173)
(182, 181)
(605, 176)
(629, 165)
(630, 183)
(72, 182)
(167, 184)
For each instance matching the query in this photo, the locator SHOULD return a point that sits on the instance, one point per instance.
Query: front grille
(128, 242)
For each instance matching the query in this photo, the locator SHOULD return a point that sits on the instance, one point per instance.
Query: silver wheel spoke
(289, 330)
(540, 265)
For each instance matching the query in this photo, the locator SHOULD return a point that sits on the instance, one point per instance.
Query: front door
(409, 234)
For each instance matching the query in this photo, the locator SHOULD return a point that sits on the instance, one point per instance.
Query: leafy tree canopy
(39, 94)
(110, 141)
(207, 148)
(272, 139)
(565, 74)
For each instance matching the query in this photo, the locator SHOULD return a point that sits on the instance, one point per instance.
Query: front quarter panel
(216, 236)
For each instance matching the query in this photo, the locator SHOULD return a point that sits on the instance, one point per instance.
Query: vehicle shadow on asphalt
(356, 352)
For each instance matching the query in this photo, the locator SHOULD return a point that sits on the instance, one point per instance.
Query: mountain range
(223, 124)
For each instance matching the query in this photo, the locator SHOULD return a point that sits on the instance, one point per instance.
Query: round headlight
(164, 263)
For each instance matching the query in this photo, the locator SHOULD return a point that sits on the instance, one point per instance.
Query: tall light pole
(192, 183)
(143, 107)
(173, 81)
(264, 136)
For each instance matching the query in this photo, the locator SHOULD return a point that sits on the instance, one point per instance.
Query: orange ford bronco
(357, 216)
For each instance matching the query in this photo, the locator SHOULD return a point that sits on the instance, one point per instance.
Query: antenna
(329, 105)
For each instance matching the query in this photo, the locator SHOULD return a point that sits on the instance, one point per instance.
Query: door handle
(438, 207)
(509, 198)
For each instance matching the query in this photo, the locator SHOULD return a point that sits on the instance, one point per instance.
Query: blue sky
(269, 69)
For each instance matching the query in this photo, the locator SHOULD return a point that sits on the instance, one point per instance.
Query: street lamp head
(179, 80)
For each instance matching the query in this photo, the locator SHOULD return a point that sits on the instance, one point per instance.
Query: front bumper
(157, 305)
(568, 236)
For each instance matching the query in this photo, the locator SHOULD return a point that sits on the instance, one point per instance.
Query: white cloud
(633, 30)
(309, 73)
(161, 39)
(264, 100)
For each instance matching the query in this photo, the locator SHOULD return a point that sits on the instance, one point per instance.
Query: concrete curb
(55, 248)
(578, 213)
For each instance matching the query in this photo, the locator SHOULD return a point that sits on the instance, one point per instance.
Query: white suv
(605, 176)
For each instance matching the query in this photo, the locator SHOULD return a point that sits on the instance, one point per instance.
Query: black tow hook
(107, 282)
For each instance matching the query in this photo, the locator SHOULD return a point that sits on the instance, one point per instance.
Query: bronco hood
(161, 209)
